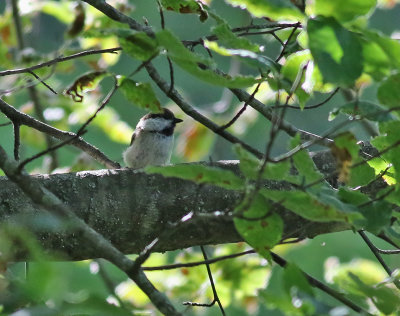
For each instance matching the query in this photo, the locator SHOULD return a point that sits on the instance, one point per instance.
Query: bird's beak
(176, 120)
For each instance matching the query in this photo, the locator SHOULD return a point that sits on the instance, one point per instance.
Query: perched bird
(152, 140)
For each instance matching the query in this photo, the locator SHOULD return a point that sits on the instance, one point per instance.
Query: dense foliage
(311, 75)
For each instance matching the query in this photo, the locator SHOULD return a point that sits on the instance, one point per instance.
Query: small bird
(152, 140)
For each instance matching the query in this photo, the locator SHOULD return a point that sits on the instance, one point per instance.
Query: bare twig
(243, 31)
(284, 126)
(378, 256)
(25, 119)
(43, 82)
(215, 294)
(59, 60)
(198, 263)
(32, 90)
(17, 143)
(314, 106)
(287, 42)
(79, 133)
(241, 111)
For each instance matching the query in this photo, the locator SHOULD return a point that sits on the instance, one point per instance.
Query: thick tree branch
(131, 209)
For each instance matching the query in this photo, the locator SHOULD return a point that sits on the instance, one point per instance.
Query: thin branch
(5, 124)
(59, 60)
(25, 119)
(29, 83)
(39, 113)
(285, 126)
(314, 106)
(189, 110)
(32, 90)
(241, 111)
(198, 263)
(378, 256)
(79, 133)
(47, 151)
(216, 298)
(388, 240)
(215, 294)
(17, 24)
(44, 83)
(17, 139)
(287, 42)
(244, 30)
(314, 282)
(161, 12)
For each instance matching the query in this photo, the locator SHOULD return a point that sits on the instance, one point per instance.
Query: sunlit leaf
(322, 208)
(274, 9)
(200, 174)
(141, 94)
(250, 167)
(344, 10)
(197, 65)
(249, 57)
(336, 50)
(138, 45)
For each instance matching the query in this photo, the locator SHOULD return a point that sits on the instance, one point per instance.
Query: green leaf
(197, 65)
(360, 175)
(186, 6)
(324, 208)
(351, 196)
(249, 57)
(365, 109)
(230, 40)
(344, 10)
(259, 228)
(138, 45)
(389, 91)
(377, 216)
(200, 174)
(336, 50)
(274, 9)
(376, 61)
(390, 47)
(140, 94)
(346, 141)
(311, 80)
(250, 166)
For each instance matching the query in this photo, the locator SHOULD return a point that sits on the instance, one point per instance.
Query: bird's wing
(133, 138)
